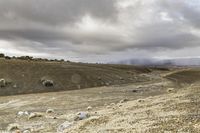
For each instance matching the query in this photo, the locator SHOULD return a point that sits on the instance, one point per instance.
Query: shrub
(7, 57)
(2, 83)
(25, 58)
(49, 111)
(47, 82)
(34, 115)
(13, 126)
(170, 90)
(2, 55)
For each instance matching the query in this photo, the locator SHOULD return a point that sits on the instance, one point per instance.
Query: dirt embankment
(188, 76)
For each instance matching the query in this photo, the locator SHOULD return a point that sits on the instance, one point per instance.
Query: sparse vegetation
(60, 76)
(170, 90)
(152, 100)
(25, 58)
(13, 126)
(2, 83)
(2, 55)
(48, 83)
(8, 58)
(49, 111)
(30, 58)
(34, 115)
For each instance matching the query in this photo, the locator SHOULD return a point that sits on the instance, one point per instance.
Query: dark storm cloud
(168, 24)
(183, 11)
(99, 27)
(166, 36)
(55, 11)
(31, 19)
(32, 34)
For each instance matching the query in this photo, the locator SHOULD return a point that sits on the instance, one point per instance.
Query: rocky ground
(157, 106)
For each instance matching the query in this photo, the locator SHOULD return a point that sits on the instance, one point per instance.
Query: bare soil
(167, 101)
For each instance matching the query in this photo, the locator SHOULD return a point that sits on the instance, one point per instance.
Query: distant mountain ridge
(163, 62)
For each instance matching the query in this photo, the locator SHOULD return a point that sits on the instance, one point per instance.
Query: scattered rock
(135, 91)
(140, 100)
(124, 100)
(26, 131)
(22, 113)
(2, 83)
(12, 127)
(121, 78)
(89, 108)
(108, 107)
(14, 86)
(26, 112)
(112, 104)
(17, 131)
(64, 126)
(34, 115)
(81, 116)
(51, 117)
(170, 90)
(99, 78)
(49, 111)
(197, 126)
(139, 87)
(107, 84)
(47, 82)
(114, 108)
(120, 105)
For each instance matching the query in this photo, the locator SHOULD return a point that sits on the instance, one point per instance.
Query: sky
(100, 30)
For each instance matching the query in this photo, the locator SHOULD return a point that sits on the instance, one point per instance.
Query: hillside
(157, 106)
(25, 76)
(188, 76)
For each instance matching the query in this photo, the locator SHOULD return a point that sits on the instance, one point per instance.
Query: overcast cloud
(100, 30)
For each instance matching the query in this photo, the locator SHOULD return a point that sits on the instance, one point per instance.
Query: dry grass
(25, 75)
(150, 109)
(164, 113)
(186, 76)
